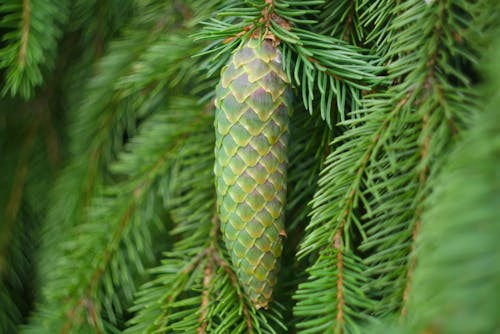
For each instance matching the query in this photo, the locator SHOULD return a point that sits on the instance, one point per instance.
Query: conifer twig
(205, 297)
(339, 319)
(416, 229)
(16, 193)
(424, 171)
(25, 32)
(349, 21)
(208, 275)
(93, 283)
(234, 282)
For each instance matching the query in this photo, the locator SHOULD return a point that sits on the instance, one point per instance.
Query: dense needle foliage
(108, 220)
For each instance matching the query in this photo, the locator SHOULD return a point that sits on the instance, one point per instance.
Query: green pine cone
(253, 101)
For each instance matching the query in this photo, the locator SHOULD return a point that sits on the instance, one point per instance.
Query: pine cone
(253, 100)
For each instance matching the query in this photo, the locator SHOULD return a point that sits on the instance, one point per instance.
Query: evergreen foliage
(107, 203)
(447, 271)
(30, 42)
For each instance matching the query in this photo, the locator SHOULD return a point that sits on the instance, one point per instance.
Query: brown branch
(211, 253)
(411, 268)
(25, 32)
(195, 262)
(16, 193)
(189, 267)
(98, 41)
(97, 144)
(92, 317)
(348, 22)
(96, 276)
(234, 282)
(267, 17)
(339, 319)
(39, 113)
(137, 194)
(108, 252)
(94, 160)
(72, 315)
(214, 233)
(424, 172)
(337, 240)
(205, 297)
(52, 140)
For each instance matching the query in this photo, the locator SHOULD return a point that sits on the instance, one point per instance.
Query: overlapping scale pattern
(253, 101)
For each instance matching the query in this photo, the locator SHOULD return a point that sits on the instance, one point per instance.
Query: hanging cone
(253, 101)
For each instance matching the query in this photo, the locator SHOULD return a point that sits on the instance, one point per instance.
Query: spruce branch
(422, 177)
(205, 299)
(331, 230)
(24, 32)
(31, 44)
(389, 143)
(331, 300)
(341, 20)
(16, 193)
(176, 299)
(341, 182)
(410, 157)
(117, 232)
(16, 271)
(455, 291)
(98, 22)
(310, 138)
(454, 284)
(101, 117)
(339, 319)
(10, 315)
(338, 72)
(444, 295)
(24, 172)
(214, 262)
(376, 17)
(316, 63)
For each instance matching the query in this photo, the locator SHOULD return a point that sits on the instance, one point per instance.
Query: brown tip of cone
(283, 233)
(260, 305)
